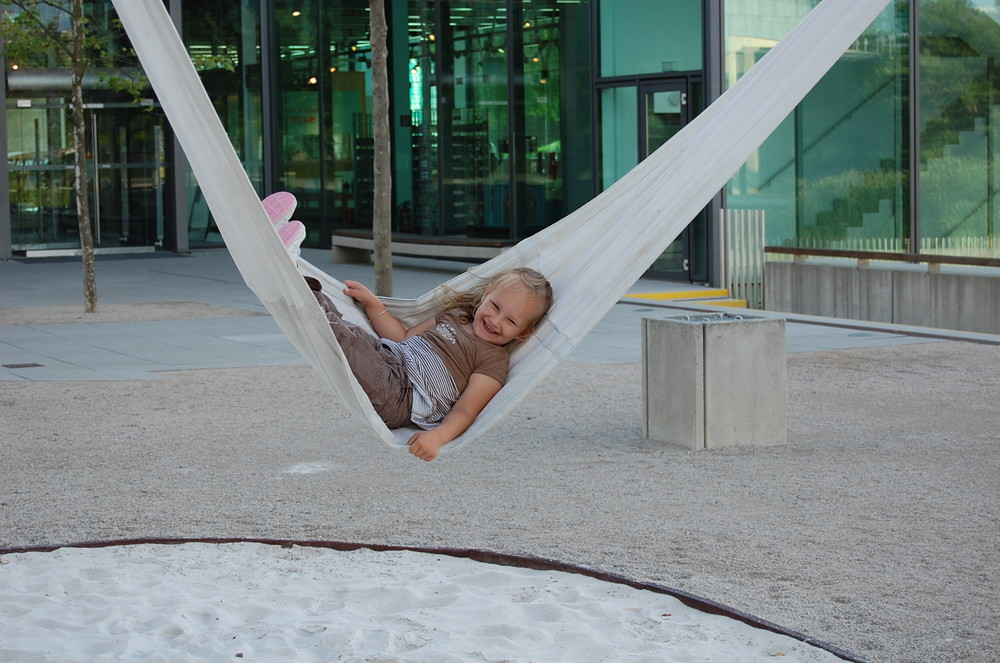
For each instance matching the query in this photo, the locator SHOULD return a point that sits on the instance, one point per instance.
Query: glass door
(663, 111)
(126, 165)
(127, 172)
(637, 119)
(40, 159)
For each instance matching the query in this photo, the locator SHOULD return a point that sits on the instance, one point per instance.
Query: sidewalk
(197, 313)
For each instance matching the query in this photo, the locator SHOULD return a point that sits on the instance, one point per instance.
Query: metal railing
(933, 260)
(744, 273)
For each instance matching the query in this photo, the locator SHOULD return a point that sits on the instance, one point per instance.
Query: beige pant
(379, 371)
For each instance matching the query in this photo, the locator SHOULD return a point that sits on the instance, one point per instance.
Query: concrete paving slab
(138, 349)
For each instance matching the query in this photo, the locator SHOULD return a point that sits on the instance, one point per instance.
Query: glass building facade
(125, 145)
(506, 115)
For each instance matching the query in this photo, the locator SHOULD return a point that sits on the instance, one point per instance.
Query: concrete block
(673, 393)
(714, 381)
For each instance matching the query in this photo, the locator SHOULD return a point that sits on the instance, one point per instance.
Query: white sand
(250, 601)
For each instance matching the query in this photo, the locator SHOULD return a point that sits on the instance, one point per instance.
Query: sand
(254, 602)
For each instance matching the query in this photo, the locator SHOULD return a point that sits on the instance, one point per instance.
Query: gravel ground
(875, 529)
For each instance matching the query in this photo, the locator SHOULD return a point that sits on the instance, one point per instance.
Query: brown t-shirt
(463, 354)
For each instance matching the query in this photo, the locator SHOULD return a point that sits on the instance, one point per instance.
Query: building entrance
(636, 120)
(127, 170)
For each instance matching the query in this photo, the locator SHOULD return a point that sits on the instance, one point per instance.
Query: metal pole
(913, 116)
(268, 55)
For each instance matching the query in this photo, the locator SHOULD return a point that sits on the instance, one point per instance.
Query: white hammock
(592, 257)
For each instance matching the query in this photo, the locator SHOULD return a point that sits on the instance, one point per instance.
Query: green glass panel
(657, 50)
(223, 39)
(460, 138)
(303, 118)
(832, 174)
(619, 133)
(329, 107)
(126, 173)
(663, 116)
(40, 159)
(540, 177)
(650, 36)
(487, 104)
(127, 168)
(959, 108)
(124, 149)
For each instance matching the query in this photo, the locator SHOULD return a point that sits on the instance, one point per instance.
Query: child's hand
(426, 445)
(361, 294)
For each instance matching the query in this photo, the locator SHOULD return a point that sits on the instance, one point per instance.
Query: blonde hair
(468, 302)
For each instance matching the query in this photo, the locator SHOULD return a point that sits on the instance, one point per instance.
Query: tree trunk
(382, 205)
(80, 162)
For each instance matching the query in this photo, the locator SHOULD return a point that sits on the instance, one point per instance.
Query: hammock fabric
(592, 257)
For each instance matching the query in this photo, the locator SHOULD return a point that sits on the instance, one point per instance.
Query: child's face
(507, 313)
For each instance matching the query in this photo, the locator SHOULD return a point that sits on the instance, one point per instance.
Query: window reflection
(832, 174)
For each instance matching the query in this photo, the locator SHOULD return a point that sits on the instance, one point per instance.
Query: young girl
(440, 373)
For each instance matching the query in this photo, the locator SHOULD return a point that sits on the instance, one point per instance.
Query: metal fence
(745, 255)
